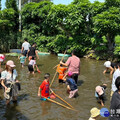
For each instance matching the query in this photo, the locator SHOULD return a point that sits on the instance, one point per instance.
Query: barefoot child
(43, 90)
(22, 59)
(32, 65)
(71, 85)
(100, 93)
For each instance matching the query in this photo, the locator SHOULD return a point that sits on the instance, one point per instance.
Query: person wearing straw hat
(95, 112)
(9, 82)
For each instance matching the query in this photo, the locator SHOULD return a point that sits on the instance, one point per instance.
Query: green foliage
(11, 4)
(0, 5)
(117, 45)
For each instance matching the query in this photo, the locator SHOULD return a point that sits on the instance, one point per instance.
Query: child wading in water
(22, 59)
(100, 93)
(43, 90)
(71, 85)
(61, 70)
(31, 65)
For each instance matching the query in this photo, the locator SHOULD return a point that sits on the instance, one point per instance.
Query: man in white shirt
(115, 75)
(25, 46)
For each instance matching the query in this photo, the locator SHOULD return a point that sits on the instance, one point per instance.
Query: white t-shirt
(32, 62)
(26, 45)
(9, 77)
(115, 75)
(107, 64)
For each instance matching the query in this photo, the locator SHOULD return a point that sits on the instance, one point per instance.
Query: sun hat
(70, 73)
(94, 112)
(10, 63)
(107, 64)
(99, 90)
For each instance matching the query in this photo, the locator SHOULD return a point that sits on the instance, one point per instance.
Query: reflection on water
(30, 107)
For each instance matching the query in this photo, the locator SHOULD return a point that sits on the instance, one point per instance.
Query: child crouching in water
(100, 93)
(43, 90)
(71, 85)
(31, 65)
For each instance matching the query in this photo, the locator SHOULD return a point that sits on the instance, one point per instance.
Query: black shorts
(30, 68)
(25, 52)
(61, 81)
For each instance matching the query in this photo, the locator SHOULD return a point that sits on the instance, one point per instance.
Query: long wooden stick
(59, 104)
(53, 78)
(61, 99)
(56, 71)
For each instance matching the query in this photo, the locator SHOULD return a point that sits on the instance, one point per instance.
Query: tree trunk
(111, 42)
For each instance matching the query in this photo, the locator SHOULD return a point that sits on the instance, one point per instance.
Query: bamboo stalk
(60, 104)
(53, 78)
(56, 71)
(61, 99)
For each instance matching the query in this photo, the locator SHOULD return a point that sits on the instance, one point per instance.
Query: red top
(45, 89)
(61, 71)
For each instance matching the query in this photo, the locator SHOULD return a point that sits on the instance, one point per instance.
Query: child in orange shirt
(61, 70)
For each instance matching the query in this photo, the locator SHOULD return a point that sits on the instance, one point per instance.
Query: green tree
(107, 22)
(0, 5)
(13, 4)
(6, 25)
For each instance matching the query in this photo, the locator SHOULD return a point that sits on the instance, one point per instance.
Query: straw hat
(10, 63)
(94, 112)
(99, 90)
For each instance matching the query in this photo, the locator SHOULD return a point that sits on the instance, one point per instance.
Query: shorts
(44, 99)
(25, 52)
(61, 81)
(30, 68)
(22, 63)
(72, 93)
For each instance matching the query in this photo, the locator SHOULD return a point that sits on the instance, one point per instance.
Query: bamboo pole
(56, 71)
(53, 78)
(60, 104)
(61, 99)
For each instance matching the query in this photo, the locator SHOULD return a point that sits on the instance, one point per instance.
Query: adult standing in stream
(73, 64)
(25, 47)
(32, 52)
